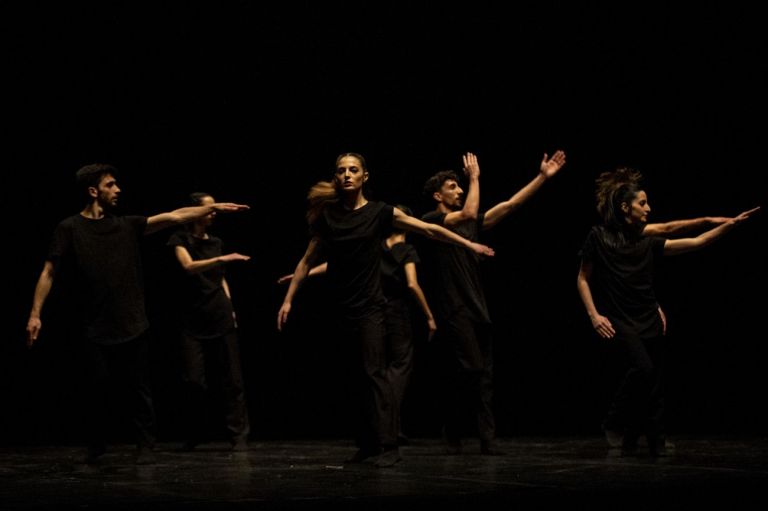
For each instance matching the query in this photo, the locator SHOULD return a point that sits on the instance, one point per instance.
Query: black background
(252, 103)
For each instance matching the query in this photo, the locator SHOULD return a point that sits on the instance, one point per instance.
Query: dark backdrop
(253, 103)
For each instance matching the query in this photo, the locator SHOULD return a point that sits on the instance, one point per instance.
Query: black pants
(377, 417)
(466, 358)
(119, 369)
(399, 350)
(218, 356)
(638, 404)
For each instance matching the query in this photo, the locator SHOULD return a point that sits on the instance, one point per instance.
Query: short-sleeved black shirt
(105, 256)
(453, 272)
(351, 243)
(393, 260)
(622, 276)
(208, 310)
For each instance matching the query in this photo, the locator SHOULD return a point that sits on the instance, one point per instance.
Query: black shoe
(145, 456)
(489, 448)
(628, 447)
(453, 446)
(93, 454)
(613, 437)
(239, 446)
(659, 448)
(363, 454)
(388, 458)
(403, 440)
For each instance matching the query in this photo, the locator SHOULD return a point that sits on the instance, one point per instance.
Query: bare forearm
(418, 293)
(201, 265)
(42, 290)
(501, 210)
(676, 227)
(585, 293)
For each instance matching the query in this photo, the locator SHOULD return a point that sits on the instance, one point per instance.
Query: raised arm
(548, 168)
(42, 289)
(680, 246)
(184, 215)
(677, 227)
(196, 266)
(600, 323)
(299, 275)
(415, 289)
(437, 232)
(472, 198)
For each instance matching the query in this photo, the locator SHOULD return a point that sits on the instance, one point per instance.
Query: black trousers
(377, 417)
(465, 349)
(638, 404)
(119, 370)
(219, 356)
(399, 350)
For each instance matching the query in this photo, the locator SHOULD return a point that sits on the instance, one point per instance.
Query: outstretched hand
(743, 216)
(234, 257)
(550, 167)
(229, 207)
(482, 250)
(285, 278)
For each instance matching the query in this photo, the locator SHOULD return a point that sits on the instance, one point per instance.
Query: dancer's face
(107, 193)
(207, 219)
(637, 211)
(451, 195)
(350, 174)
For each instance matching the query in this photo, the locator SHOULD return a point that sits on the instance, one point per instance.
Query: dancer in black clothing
(400, 285)
(102, 250)
(615, 283)
(454, 289)
(209, 336)
(350, 229)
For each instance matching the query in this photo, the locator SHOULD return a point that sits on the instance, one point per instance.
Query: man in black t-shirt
(456, 294)
(103, 253)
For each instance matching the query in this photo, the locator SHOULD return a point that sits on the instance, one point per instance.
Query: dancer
(209, 336)
(102, 250)
(350, 228)
(456, 293)
(615, 284)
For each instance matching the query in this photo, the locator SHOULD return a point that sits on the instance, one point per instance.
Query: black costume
(209, 338)
(104, 256)
(621, 283)
(351, 243)
(456, 296)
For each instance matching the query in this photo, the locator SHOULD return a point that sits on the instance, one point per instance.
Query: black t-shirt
(453, 272)
(207, 311)
(622, 276)
(351, 240)
(393, 260)
(105, 257)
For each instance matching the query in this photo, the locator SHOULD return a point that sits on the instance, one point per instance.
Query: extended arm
(196, 266)
(601, 324)
(299, 275)
(680, 246)
(548, 168)
(472, 199)
(316, 270)
(677, 227)
(418, 293)
(184, 215)
(42, 289)
(437, 232)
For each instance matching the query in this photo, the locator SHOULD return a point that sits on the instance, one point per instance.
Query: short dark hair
(436, 182)
(196, 198)
(90, 176)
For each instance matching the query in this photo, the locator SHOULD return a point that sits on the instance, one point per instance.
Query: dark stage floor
(535, 473)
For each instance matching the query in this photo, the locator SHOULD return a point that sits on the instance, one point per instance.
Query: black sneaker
(613, 437)
(145, 456)
(363, 454)
(489, 448)
(388, 458)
